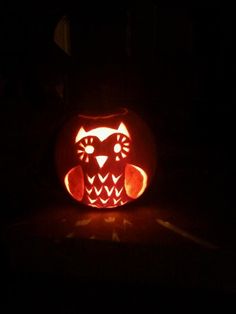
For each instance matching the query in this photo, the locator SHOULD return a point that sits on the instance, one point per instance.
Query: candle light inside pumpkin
(105, 161)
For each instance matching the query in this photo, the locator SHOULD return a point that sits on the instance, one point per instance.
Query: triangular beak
(101, 160)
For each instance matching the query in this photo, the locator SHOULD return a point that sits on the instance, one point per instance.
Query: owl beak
(101, 160)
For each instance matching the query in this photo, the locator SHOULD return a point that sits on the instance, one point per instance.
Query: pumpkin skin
(105, 160)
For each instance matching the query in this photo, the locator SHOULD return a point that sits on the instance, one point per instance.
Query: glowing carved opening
(92, 200)
(116, 201)
(117, 148)
(104, 201)
(115, 179)
(85, 149)
(89, 149)
(102, 132)
(90, 179)
(89, 191)
(98, 192)
(103, 179)
(120, 148)
(74, 182)
(109, 191)
(118, 193)
(101, 160)
(135, 181)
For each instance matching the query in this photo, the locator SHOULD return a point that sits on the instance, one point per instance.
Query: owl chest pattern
(106, 190)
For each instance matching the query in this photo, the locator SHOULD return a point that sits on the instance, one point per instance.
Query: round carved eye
(89, 149)
(117, 148)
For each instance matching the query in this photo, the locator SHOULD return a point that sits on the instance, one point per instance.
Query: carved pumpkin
(105, 161)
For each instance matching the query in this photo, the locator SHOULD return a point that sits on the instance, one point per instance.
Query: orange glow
(118, 192)
(98, 192)
(117, 148)
(115, 179)
(116, 201)
(89, 191)
(92, 200)
(90, 179)
(104, 201)
(120, 148)
(103, 179)
(74, 182)
(85, 149)
(109, 191)
(98, 157)
(102, 132)
(101, 160)
(135, 181)
(131, 185)
(89, 149)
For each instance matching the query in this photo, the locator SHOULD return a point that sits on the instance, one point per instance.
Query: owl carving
(104, 176)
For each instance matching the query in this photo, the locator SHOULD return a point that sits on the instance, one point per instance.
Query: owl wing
(135, 181)
(74, 182)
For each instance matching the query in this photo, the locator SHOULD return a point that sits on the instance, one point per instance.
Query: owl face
(103, 146)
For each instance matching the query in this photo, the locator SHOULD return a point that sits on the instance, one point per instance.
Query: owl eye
(117, 148)
(121, 148)
(85, 148)
(89, 149)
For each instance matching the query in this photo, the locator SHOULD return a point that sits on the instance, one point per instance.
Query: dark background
(172, 64)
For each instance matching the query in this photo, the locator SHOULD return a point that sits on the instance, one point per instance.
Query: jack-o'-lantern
(105, 160)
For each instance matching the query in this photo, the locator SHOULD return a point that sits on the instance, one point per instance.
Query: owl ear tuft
(123, 130)
(82, 133)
